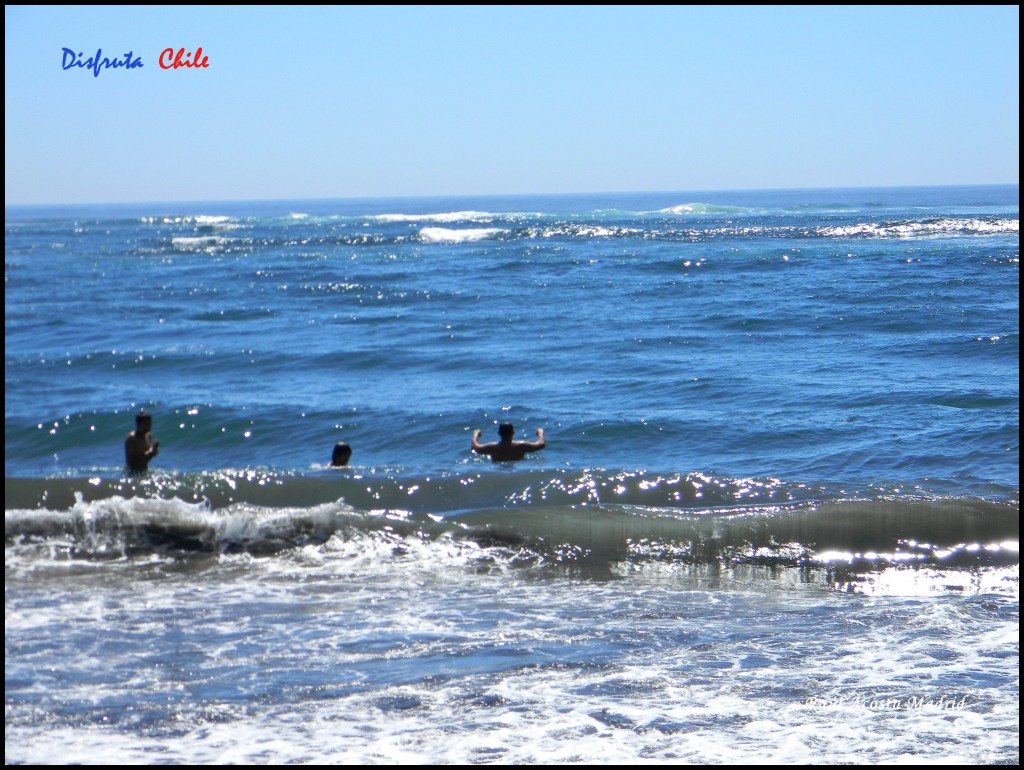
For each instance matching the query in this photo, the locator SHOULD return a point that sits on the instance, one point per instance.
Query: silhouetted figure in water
(507, 450)
(139, 448)
(341, 455)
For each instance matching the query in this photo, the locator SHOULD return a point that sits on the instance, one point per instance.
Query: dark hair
(506, 430)
(142, 417)
(341, 453)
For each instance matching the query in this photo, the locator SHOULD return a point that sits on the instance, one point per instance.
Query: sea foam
(446, 235)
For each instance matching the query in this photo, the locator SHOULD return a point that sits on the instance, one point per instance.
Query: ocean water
(777, 517)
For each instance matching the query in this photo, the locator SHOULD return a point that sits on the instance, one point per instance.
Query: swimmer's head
(341, 454)
(505, 430)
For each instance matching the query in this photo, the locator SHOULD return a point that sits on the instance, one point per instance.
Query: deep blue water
(780, 487)
(849, 336)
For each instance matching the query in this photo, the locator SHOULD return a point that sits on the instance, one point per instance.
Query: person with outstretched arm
(507, 450)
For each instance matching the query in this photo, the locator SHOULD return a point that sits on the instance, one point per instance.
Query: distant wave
(199, 242)
(693, 222)
(901, 230)
(706, 208)
(926, 228)
(449, 216)
(197, 219)
(572, 230)
(446, 235)
(201, 222)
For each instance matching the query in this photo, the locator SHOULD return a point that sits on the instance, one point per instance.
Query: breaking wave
(446, 235)
(528, 516)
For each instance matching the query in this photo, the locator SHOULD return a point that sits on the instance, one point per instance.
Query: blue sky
(300, 102)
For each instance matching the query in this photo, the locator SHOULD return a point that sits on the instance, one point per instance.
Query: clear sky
(301, 102)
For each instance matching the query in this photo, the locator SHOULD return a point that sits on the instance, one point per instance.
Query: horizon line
(423, 196)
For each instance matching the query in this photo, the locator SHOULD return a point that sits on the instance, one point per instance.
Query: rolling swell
(516, 517)
(659, 228)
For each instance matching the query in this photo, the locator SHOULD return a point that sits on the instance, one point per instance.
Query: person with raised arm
(507, 450)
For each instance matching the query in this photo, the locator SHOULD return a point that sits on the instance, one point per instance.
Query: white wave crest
(199, 242)
(584, 231)
(450, 216)
(925, 229)
(208, 222)
(702, 208)
(447, 235)
(200, 219)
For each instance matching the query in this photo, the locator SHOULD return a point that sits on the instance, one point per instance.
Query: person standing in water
(139, 447)
(507, 450)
